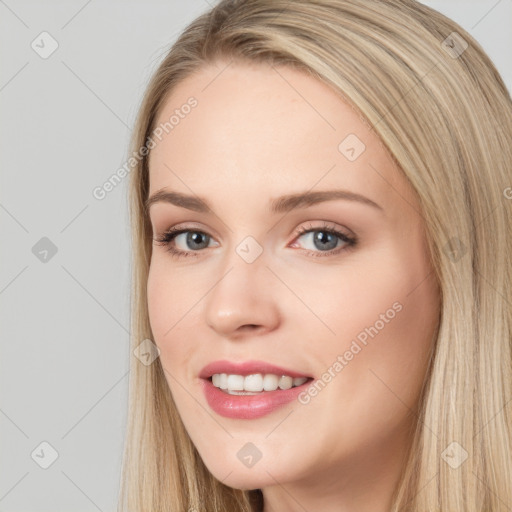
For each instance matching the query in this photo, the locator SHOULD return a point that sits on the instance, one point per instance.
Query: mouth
(251, 389)
(255, 383)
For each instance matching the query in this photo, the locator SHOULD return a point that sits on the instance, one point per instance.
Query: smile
(256, 383)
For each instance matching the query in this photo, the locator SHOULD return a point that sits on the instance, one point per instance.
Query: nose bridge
(243, 294)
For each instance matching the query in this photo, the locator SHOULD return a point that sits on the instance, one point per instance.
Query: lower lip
(249, 407)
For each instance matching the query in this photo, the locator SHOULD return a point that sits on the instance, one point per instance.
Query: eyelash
(166, 238)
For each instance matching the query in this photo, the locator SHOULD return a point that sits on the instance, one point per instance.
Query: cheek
(170, 309)
(160, 299)
(385, 333)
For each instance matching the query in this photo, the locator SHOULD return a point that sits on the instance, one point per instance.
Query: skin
(252, 138)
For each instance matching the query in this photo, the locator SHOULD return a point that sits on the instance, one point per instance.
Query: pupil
(192, 237)
(322, 237)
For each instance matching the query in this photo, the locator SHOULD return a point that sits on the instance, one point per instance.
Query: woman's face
(335, 286)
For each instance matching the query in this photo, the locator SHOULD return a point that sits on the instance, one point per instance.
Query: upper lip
(246, 368)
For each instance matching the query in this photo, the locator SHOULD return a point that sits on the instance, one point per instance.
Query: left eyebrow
(281, 204)
(291, 202)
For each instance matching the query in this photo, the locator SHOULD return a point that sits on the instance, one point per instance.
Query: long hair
(443, 112)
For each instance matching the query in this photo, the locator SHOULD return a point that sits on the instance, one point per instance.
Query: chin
(237, 476)
(244, 481)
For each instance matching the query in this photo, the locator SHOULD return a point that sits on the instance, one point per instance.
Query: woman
(340, 339)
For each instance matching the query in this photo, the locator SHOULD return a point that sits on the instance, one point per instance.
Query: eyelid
(299, 231)
(193, 226)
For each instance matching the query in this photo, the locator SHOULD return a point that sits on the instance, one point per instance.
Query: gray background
(65, 317)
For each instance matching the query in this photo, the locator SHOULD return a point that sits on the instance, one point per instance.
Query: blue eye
(193, 237)
(325, 237)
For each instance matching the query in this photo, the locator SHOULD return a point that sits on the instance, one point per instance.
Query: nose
(244, 300)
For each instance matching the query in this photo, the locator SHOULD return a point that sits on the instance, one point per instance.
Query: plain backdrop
(64, 272)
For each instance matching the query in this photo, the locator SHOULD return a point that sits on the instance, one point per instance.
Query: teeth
(255, 383)
(298, 381)
(285, 382)
(235, 383)
(270, 382)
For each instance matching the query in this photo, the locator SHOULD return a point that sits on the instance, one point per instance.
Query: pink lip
(247, 406)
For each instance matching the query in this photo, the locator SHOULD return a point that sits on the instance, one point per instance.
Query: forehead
(271, 130)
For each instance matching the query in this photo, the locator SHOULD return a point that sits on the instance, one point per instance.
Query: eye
(324, 238)
(194, 237)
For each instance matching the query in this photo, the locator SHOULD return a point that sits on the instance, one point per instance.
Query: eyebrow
(281, 204)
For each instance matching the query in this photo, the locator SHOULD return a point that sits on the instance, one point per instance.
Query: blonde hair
(444, 114)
